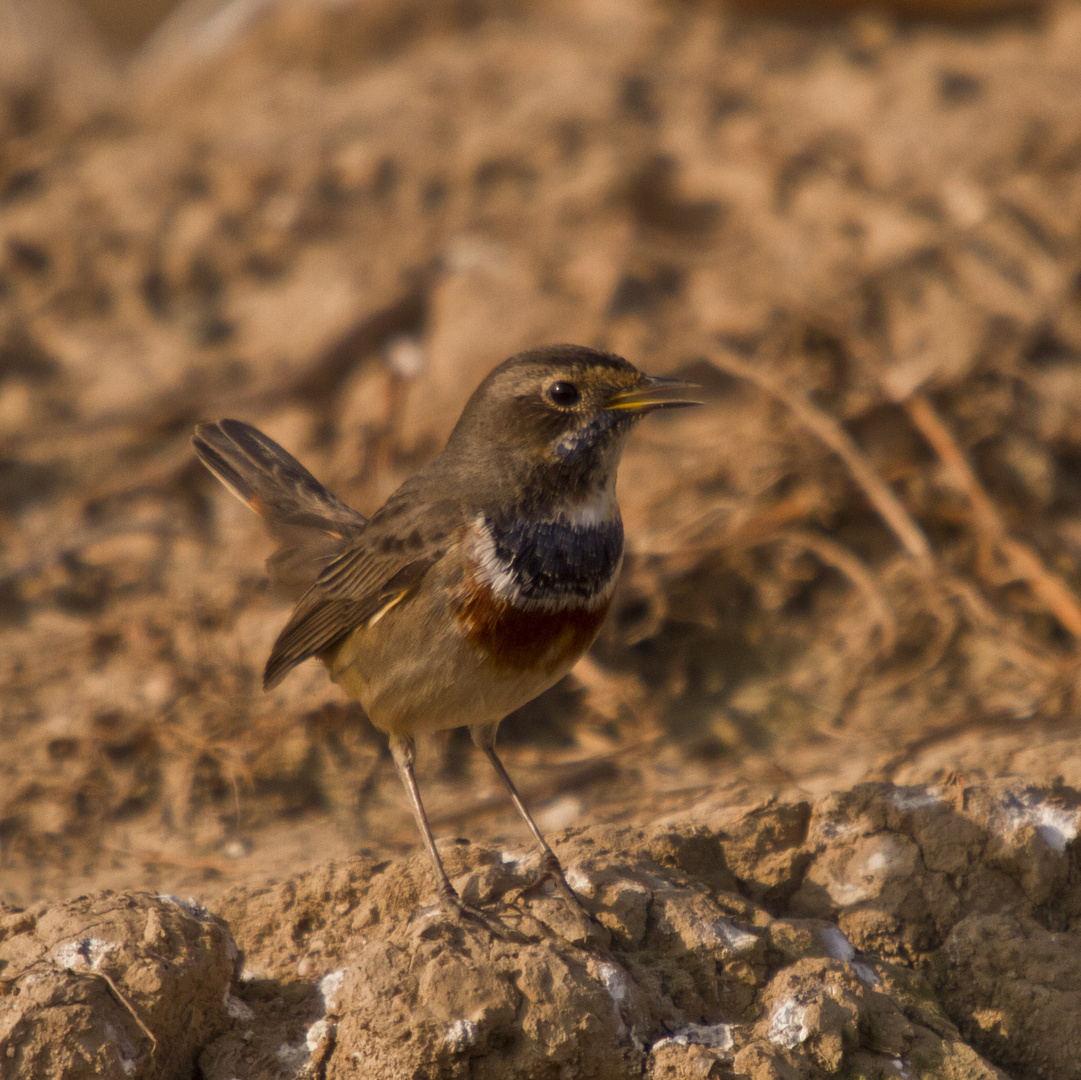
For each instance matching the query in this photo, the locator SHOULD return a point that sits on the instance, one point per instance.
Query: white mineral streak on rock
(460, 1036)
(294, 1056)
(1056, 824)
(874, 860)
(191, 907)
(716, 1036)
(612, 978)
(865, 973)
(878, 862)
(736, 939)
(330, 986)
(914, 798)
(126, 1054)
(580, 881)
(788, 1024)
(84, 953)
(697, 932)
(837, 830)
(515, 860)
(837, 945)
(429, 914)
(236, 1008)
(317, 1035)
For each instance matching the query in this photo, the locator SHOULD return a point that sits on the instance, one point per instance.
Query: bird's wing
(381, 568)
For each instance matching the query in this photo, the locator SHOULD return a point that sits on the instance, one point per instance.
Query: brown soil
(883, 932)
(816, 781)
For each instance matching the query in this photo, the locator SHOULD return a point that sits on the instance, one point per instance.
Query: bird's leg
(401, 748)
(549, 866)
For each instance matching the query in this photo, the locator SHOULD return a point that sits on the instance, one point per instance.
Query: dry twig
(123, 1001)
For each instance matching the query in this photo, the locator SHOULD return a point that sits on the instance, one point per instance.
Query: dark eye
(563, 393)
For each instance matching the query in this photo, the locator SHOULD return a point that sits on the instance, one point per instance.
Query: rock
(689, 980)
(913, 946)
(115, 985)
(1014, 989)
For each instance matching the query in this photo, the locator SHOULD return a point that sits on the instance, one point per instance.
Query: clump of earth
(816, 781)
(886, 931)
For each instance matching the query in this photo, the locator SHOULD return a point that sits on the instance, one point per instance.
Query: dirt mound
(113, 985)
(908, 934)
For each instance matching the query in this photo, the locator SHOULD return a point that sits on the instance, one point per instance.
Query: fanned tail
(311, 524)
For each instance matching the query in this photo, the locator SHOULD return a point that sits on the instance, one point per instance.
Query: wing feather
(380, 568)
(345, 569)
(321, 619)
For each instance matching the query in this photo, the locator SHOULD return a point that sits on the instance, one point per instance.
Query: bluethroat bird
(481, 580)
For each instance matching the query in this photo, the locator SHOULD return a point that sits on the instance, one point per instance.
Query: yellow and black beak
(655, 392)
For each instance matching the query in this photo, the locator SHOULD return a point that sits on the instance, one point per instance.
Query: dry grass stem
(859, 573)
(108, 980)
(936, 643)
(1011, 636)
(992, 534)
(832, 435)
(151, 857)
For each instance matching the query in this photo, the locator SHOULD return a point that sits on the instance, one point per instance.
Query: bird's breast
(535, 592)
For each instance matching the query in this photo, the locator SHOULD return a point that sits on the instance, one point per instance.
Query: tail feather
(311, 524)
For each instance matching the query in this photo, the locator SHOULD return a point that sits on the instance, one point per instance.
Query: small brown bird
(482, 579)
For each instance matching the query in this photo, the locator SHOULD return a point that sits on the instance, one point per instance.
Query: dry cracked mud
(884, 932)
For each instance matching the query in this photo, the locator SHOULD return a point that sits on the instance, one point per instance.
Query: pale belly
(413, 675)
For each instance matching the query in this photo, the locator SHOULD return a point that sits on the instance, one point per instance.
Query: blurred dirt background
(861, 561)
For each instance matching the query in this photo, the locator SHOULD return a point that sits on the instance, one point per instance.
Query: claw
(550, 870)
(454, 907)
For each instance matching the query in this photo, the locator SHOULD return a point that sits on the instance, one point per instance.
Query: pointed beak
(655, 392)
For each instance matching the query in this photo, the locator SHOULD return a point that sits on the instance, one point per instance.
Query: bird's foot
(572, 921)
(457, 909)
(550, 870)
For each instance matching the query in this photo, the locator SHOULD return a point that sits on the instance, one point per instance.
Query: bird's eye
(564, 393)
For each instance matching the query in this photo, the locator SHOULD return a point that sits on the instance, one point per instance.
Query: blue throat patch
(555, 558)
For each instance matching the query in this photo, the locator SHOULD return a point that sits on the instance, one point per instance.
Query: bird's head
(560, 411)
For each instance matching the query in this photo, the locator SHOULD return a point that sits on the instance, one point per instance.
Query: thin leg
(549, 867)
(402, 751)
